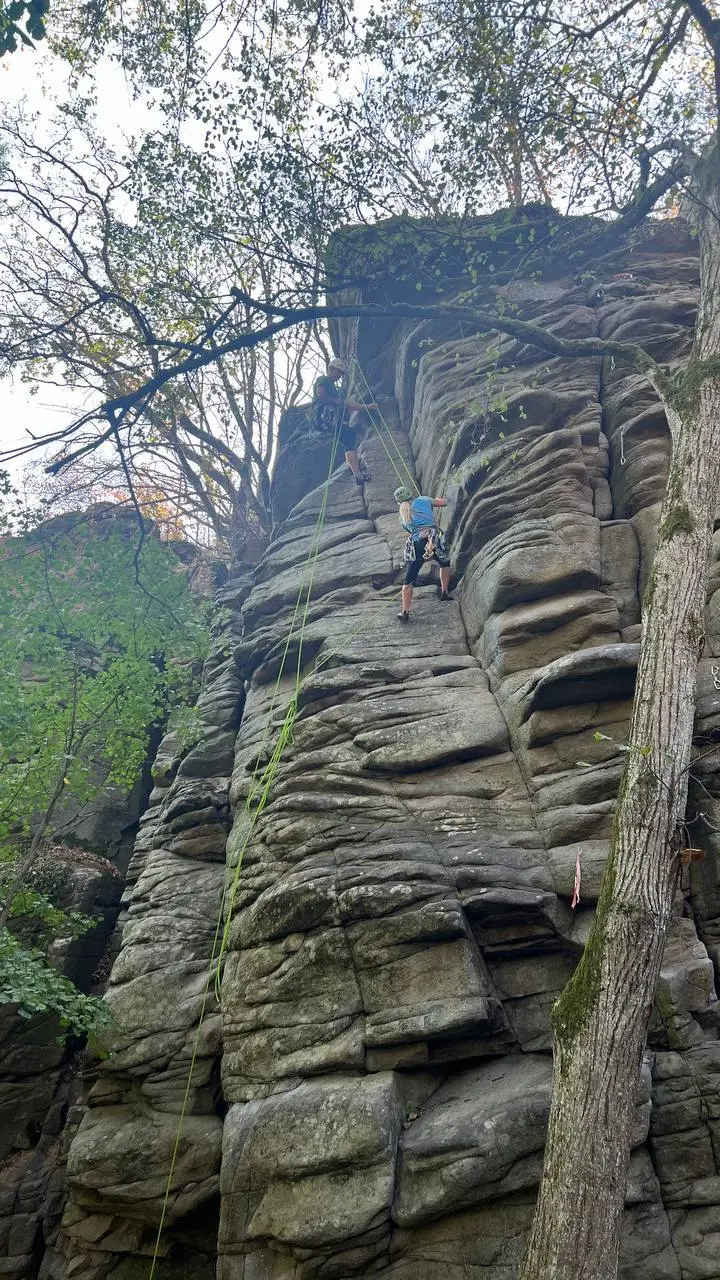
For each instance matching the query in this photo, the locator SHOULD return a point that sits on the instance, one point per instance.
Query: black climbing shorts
(347, 439)
(414, 567)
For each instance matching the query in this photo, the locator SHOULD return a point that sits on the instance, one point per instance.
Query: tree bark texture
(600, 1021)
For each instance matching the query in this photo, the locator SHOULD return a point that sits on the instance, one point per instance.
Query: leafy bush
(28, 982)
(89, 607)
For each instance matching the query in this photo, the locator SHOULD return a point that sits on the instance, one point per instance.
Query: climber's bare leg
(353, 462)
(407, 595)
(445, 579)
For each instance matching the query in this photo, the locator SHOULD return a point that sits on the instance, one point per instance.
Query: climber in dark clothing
(331, 410)
(425, 542)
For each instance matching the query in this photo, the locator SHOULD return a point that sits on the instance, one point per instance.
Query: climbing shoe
(446, 595)
(403, 616)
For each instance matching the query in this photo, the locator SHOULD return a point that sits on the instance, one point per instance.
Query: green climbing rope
(286, 728)
(261, 786)
(379, 421)
(380, 424)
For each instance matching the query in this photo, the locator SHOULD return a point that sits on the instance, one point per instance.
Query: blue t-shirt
(421, 516)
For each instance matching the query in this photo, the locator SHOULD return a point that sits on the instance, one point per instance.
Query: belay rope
(256, 800)
(262, 779)
(259, 791)
(436, 539)
(263, 786)
(381, 425)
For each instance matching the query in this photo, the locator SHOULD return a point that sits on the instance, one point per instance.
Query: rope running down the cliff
(267, 778)
(286, 728)
(263, 787)
(378, 421)
(285, 735)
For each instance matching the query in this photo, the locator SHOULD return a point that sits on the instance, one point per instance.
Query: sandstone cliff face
(370, 1096)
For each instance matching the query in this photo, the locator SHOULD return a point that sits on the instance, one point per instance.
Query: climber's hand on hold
(356, 406)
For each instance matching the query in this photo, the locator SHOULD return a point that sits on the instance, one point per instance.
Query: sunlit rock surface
(370, 1095)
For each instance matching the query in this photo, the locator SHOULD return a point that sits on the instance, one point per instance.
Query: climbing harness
(326, 418)
(435, 544)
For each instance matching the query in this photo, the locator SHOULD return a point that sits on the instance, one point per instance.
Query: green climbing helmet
(402, 494)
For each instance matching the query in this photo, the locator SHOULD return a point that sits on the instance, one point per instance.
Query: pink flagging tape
(576, 888)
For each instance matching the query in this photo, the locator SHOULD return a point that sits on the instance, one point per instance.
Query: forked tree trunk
(600, 1020)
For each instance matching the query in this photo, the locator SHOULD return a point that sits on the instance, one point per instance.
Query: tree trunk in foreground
(600, 1020)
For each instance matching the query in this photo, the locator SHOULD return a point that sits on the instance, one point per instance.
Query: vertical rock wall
(160, 1061)
(402, 924)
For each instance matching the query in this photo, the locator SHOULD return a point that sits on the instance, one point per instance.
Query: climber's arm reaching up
(324, 395)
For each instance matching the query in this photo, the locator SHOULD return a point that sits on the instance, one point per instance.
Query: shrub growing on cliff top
(88, 611)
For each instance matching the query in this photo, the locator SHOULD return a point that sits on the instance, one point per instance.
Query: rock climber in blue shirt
(425, 542)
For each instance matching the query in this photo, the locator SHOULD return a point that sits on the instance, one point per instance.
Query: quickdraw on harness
(327, 418)
(426, 530)
(435, 544)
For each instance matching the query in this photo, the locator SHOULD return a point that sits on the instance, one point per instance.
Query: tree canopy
(175, 279)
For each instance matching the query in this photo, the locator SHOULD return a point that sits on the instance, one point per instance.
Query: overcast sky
(34, 75)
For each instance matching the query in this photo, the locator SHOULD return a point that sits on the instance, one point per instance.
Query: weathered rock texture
(39, 1080)
(41, 1091)
(371, 1096)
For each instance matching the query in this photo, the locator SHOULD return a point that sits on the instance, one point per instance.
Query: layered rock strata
(400, 918)
(160, 1059)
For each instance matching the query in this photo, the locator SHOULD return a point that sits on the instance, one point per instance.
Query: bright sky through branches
(291, 141)
(39, 78)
